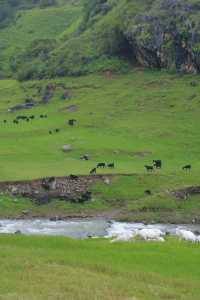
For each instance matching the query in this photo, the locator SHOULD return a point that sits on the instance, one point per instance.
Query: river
(81, 229)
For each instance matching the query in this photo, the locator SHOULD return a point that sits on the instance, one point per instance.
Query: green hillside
(62, 38)
(130, 119)
(125, 114)
(31, 26)
(127, 119)
(126, 71)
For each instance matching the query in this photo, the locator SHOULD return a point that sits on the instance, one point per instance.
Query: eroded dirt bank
(70, 188)
(78, 190)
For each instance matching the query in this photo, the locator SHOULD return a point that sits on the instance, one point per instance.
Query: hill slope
(140, 116)
(127, 119)
(94, 35)
(31, 28)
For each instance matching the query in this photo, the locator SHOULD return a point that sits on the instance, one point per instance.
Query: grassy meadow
(59, 268)
(129, 120)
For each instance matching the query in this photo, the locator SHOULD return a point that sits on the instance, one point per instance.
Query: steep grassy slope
(57, 268)
(119, 34)
(127, 119)
(32, 25)
(94, 35)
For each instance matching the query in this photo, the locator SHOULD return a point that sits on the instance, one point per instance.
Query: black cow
(157, 163)
(149, 168)
(21, 117)
(51, 179)
(85, 197)
(72, 122)
(57, 130)
(101, 165)
(43, 116)
(147, 192)
(111, 165)
(85, 157)
(93, 171)
(50, 132)
(187, 168)
(73, 177)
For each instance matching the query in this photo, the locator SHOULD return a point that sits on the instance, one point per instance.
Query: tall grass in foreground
(59, 268)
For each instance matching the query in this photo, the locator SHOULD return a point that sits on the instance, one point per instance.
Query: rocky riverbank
(82, 197)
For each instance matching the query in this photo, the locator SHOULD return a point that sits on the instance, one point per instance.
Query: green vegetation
(127, 116)
(124, 115)
(33, 26)
(130, 119)
(58, 268)
(89, 36)
(9, 8)
(127, 119)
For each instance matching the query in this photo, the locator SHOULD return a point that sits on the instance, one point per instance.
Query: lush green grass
(32, 25)
(130, 120)
(59, 268)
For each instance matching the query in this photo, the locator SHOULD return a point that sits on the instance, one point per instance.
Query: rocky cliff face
(167, 36)
(151, 33)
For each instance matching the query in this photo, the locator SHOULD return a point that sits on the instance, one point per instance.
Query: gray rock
(107, 181)
(14, 189)
(25, 212)
(67, 148)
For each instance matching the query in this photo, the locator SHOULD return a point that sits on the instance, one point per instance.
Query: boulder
(67, 148)
(107, 180)
(25, 212)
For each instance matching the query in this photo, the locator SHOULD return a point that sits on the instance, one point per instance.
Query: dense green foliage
(8, 8)
(96, 35)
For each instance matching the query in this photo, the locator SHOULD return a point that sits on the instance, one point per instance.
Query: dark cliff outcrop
(167, 36)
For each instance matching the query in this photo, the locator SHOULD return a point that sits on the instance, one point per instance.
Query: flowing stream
(81, 229)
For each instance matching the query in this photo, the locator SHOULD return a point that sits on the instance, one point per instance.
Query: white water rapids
(81, 229)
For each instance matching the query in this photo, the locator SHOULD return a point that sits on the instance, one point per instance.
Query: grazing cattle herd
(25, 118)
(30, 118)
(156, 164)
